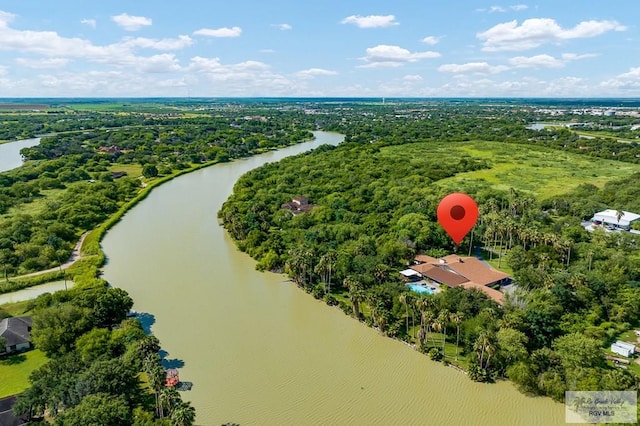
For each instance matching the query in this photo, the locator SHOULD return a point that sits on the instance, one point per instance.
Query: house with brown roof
(298, 205)
(466, 272)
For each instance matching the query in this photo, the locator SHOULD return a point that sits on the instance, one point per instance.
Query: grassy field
(538, 170)
(15, 309)
(38, 204)
(133, 170)
(15, 371)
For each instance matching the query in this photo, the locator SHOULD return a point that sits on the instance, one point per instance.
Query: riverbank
(88, 247)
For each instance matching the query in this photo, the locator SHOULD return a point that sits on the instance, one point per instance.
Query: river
(10, 157)
(35, 291)
(260, 351)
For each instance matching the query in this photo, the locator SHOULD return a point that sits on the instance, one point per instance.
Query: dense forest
(373, 201)
(74, 181)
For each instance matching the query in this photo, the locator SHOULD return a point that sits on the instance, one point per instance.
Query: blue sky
(367, 48)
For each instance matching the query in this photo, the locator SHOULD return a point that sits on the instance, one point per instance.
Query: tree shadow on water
(146, 320)
(169, 362)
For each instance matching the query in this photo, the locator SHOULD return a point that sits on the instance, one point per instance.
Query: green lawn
(15, 309)
(133, 170)
(541, 171)
(15, 371)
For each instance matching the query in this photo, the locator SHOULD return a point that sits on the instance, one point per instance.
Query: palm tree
(183, 414)
(443, 317)
(169, 397)
(457, 318)
(355, 294)
(590, 255)
(403, 299)
(157, 378)
(381, 273)
(322, 269)
(331, 258)
(436, 323)
(410, 300)
(481, 344)
(429, 318)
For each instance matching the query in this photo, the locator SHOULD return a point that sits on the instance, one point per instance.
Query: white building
(623, 348)
(609, 218)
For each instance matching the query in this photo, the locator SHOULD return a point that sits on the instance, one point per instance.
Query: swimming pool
(420, 289)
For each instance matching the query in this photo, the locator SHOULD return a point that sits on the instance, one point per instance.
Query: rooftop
(16, 330)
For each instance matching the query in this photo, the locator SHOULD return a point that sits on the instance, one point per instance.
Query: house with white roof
(615, 219)
(623, 348)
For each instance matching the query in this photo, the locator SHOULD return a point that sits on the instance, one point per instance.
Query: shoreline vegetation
(144, 350)
(327, 252)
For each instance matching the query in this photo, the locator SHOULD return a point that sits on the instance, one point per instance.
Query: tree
(94, 345)
(157, 378)
(578, 351)
(457, 318)
(111, 307)
(149, 171)
(512, 345)
(55, 329)
(100, 409)
(110, 377)
(169, 398)
(356, 294)
(403, 300)
(183, 414)
(443, 320)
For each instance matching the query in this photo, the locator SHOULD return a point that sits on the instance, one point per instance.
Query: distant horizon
(575, 98)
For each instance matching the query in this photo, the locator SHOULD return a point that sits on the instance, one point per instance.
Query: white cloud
(500, 9)
(214, 66)
(371, 21)
(626, 81)
(393, 56)
(5, 18)
(42, 63)
(162, 63)
(314, 72)
(472, 68)
(431, 40)
(547, 61)
(283, 27)
(89, 22)
(162, 44)
(538, 61)
(219, 32)
(55, 51)
(130, 22)
(575, 56)
(536, 32)
(412, 78)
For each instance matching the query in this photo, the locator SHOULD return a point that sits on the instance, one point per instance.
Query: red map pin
(457, 213)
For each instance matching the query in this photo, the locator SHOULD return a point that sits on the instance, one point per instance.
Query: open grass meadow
(540, 171)
(15, 371)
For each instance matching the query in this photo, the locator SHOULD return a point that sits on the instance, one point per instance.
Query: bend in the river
(259, 350)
